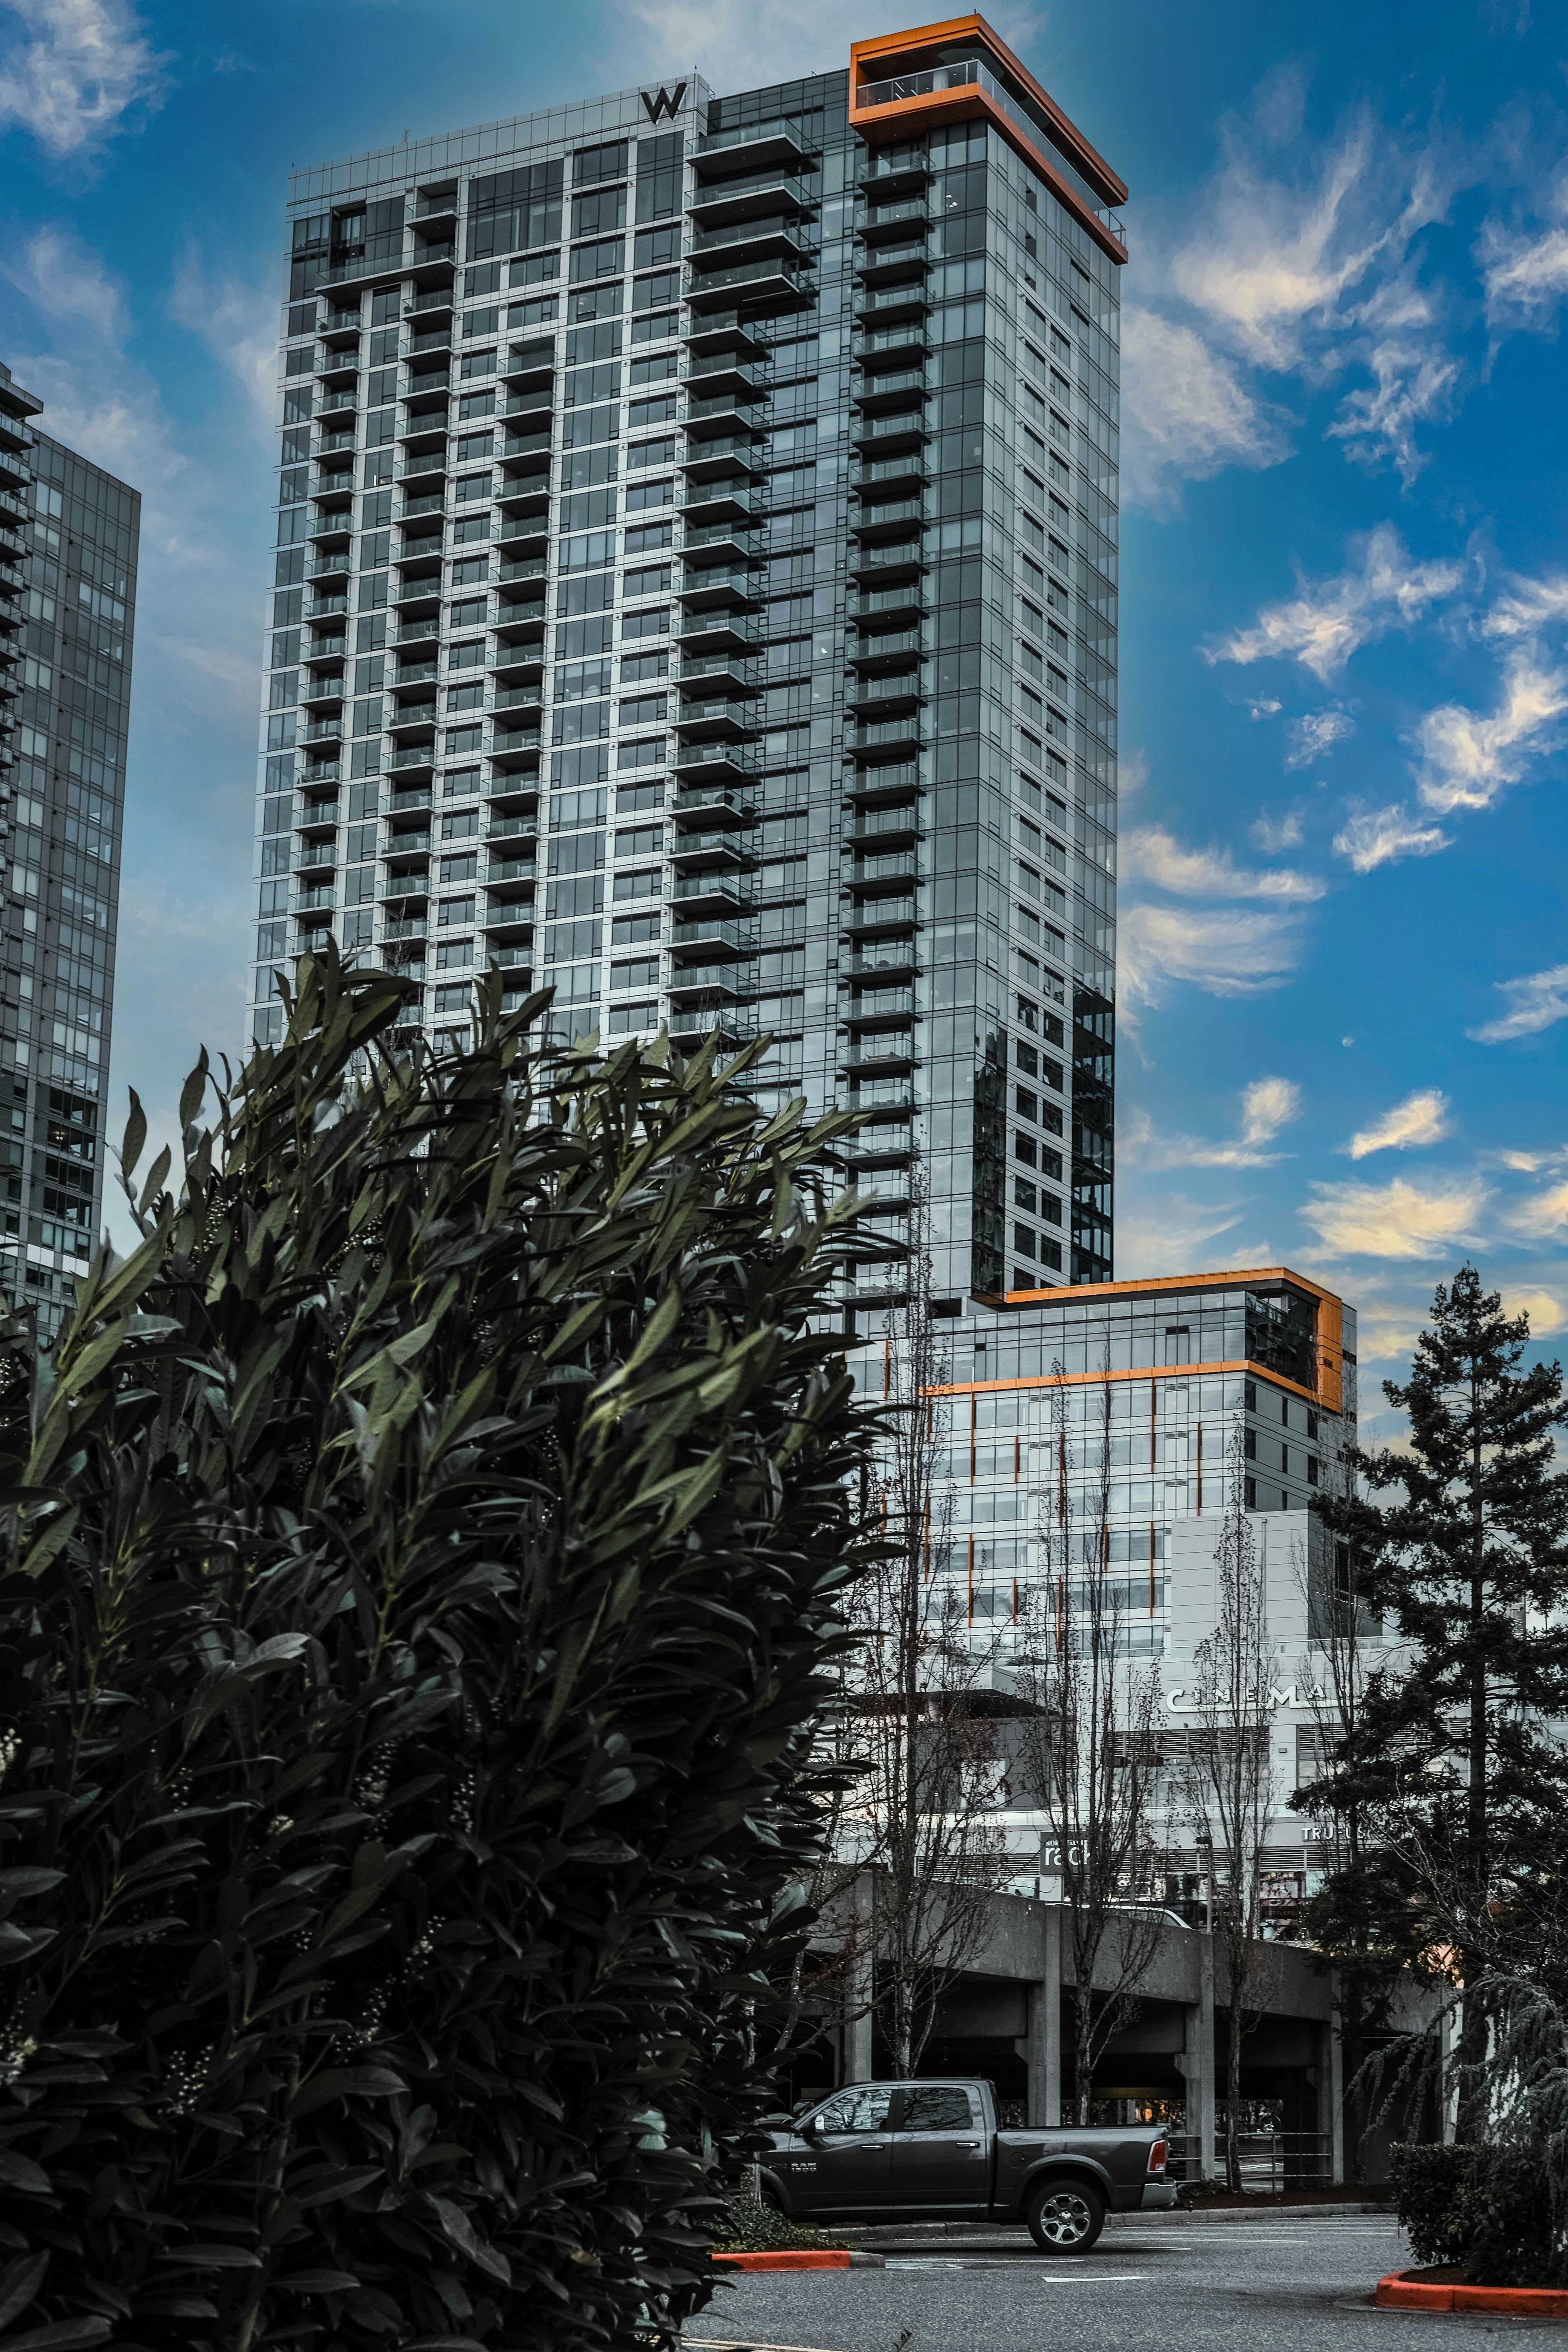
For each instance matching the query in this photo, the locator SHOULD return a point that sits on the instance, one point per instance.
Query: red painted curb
(829, 2258)
(1401, 2292)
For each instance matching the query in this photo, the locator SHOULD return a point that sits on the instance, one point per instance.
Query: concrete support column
(857, 2017)
(1334, 2075)
(1196, 2062)
(1043, 2044)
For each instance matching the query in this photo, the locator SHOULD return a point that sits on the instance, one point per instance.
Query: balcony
(512, 829)
(706, 502)
(898, 556)
(893, 221)
(712, 458)
(780, 145)
(411, 801)
(707, 377)
(527, 444)
(532, 567)
(720, 763)
(870, 649)
(380, 256)
(428, 338)
(409, 717)
(754, 240)
(517, 699)
(419, 756)
(416, 674)
(897, 341)
(876, 696)
(714, 720)
(881, 1008)
(436, 204)
(731, 670)
(711, 853)
(748, 281)
(883, 960)
(901, 734)
(874, 1058)
(908, 469)
(881, 918)
(322, 730)
(329, 567)
(893, 387)
(314, 853)
(424, 466)
(315, 691)
(707, 807)
(720, 539)
(709, 940)
(714, 984)
(706, 592)
(429, 502)
(754, 195)
(883, 826)
(530, 366)
(883, 1098)
(420, 630)
(904, 428)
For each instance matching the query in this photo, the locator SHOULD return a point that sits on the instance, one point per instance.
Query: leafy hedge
(417, 1560)
(1482, 2207)
(750, 2227)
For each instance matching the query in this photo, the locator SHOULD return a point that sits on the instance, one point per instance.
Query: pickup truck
(930, 2151)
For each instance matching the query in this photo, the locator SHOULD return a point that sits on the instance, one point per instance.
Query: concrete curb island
(1404, 2290)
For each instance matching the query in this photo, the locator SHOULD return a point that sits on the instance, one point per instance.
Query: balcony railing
(972, 74)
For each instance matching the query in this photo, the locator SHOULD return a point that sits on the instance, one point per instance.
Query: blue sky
(1344, 582)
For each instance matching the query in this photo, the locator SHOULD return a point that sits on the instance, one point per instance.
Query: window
(633, 1016)
(935, 2106)
(634, 668)
(643, 973)
(1027, 1058)
(1312, 1469)
(865, 2109)
(1027, 1103)
(1250, 1494)
(639, 840)
(645, 625)
(1024, 1150)
(596, 215)
(608, 162)
(1024, 1194)
(1023, 1241)
(512, 210)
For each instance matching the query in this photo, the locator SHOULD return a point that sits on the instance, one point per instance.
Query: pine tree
(1468, 1564)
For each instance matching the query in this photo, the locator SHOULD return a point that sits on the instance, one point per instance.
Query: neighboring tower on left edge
(69, 537)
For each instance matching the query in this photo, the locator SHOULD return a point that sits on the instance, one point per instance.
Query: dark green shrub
(1431, 2183)
(415, 1564)
(1482, 2206)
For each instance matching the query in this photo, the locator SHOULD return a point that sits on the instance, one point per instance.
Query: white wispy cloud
(1543, 1217)
(1265, 706)
(1400, 1220)
(1170, 1229)
(1420, 1118)
(75, 71)
(1186, 413)
(1466, 760)
(1306, 261)
(1414, 379)
(1273, 834)
(1314, 736)
(1149, 854)
(1524, 271)
(238, 324)
(1373, 837)
(1380, 588)
(1221, 949)
(1529, 607)
(1536, 1001)
(1547, 1313)
(1268, 1106)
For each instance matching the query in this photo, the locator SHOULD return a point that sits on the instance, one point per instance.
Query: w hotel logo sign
(664, 101)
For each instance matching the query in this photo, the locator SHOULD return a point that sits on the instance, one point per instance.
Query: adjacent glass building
(695, 590)
(69, 537)
(1185, 1363)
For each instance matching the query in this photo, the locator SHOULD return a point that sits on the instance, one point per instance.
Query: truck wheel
(1064, 2217)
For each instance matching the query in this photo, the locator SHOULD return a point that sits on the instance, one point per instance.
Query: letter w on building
(663, 101)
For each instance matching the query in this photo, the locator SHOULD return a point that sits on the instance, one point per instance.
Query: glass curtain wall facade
(696, 592)
(68, 543)
(1187, 1363)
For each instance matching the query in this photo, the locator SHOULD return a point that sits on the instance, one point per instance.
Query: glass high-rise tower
(68, 540)
(695, 590)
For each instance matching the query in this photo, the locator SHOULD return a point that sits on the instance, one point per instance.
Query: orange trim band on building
(901, 117)
(1137, 1372)
(1329, 1340)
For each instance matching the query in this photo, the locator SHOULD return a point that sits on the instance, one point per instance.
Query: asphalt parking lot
(1278, 2284)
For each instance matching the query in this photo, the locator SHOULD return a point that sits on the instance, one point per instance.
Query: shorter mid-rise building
(1103, 1430)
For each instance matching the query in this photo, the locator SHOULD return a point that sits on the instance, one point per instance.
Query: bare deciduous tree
(921, 1820)
(1089, 1748)
(1227, 1779)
